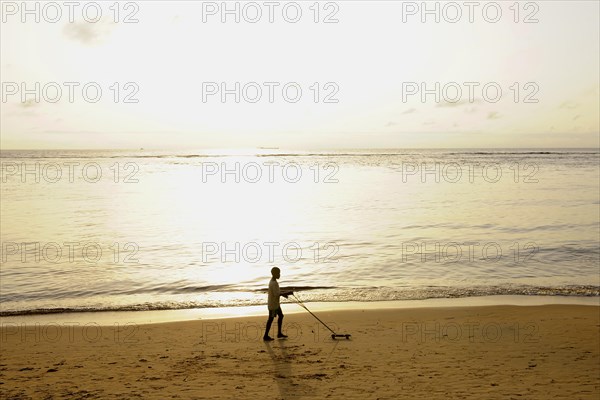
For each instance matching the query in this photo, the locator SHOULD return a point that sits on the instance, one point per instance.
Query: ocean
(158, 230)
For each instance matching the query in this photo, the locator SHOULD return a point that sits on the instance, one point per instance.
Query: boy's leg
(269, 322)
(280, 322)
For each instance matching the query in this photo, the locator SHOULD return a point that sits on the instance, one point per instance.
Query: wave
(526, 152)
(28, 154)
(331, 294)
(297, 288)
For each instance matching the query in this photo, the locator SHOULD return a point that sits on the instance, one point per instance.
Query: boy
(273, 304)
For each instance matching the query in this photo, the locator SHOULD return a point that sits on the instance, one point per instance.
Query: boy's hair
(275, 269)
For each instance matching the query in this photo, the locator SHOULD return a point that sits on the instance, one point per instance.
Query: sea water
(150, 230)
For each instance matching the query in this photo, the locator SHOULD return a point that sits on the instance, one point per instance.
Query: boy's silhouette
(273, 304)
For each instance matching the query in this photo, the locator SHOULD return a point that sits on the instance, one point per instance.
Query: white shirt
(273, 294)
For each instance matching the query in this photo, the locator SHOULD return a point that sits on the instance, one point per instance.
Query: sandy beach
(491, 352)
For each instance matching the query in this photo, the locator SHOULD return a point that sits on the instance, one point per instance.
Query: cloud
(405, 112)
(569, 105)
(20, 114)
(29, 104)
(88, 33)
(458, 103)
(592, 91)
(81, 132)
(95, 132)
(29, 108)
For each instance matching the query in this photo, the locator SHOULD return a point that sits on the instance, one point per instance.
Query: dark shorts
(274, 313)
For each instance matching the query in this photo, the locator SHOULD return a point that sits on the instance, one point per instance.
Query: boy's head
(275, 272)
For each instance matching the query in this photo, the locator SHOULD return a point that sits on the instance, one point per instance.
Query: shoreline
(145, 317)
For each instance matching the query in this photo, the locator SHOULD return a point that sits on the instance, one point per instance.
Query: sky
(387, 75)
